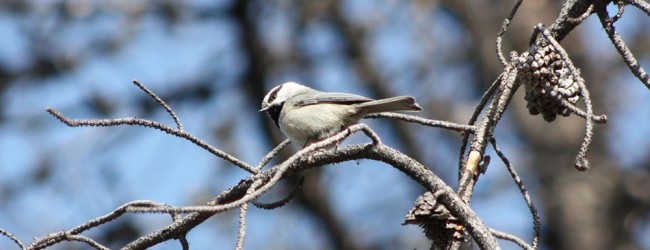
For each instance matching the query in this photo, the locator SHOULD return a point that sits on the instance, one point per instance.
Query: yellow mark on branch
(473, 161)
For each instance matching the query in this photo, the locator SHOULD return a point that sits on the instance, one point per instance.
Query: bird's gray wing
(336, 98)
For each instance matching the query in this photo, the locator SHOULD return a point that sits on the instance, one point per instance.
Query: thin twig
(642, 5)
(271, 154)
(600, 119)
(427, 122)
(469, 172)
(581, 162)
(368, 132)
(13, 238)
(561, 27)
(619, 13)
(512, 238)
(185, 245)
(182, 238)
(622, 48)
(62, 236)
(582, 17)
(114, 215)
(484, 99)
(281, 170)
(537, 228)
(161, 102)
(241, 234)
(156, 125)
(243, 210)
(280, 203)
(502, 32)
(84, 239)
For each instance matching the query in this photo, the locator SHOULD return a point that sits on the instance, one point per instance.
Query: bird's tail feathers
(393, 104)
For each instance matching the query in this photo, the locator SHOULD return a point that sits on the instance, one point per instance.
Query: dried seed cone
(437, 222)
(546, 80)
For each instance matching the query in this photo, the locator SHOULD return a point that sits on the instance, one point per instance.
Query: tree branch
(619, 44)
(462, 128)
(514, 239)
(63, 236)
(537, 225)
(151, 124)
(485, 128)
(236, 196)
(271, 154)
(571, 9)
(502, 32)
(280, 203)
(12, 238)
(162, 103)
(642, 5)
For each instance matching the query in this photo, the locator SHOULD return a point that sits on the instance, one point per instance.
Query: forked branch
(179, 132)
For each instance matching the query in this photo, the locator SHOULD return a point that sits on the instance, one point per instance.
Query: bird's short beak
(264, 109)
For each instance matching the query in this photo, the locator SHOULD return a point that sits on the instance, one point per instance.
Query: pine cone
(438, 223)
(547, 80)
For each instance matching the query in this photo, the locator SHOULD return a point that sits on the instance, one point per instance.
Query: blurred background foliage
(213, 61)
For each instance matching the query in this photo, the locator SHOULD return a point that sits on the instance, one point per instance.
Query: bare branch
(161, 102)
(234, 194)
(241, 234)
(84, 239)
(620, 45)
(280, 203)
(619, 13)
(182, 237)
(448, 197)
(427, 122)
(185, 245)
(13, 238)
(114, 215)
(583, 17)
(303, 159)
(243, 210)
(151, 124)
(642, 5)
(481, 105)
(59, 237)
(366, 130)
(271, 154)
(502, 32)
(537, 228)
(62, 236)
(485, 128)
(280, 171)
(570, 9)
(510, 237)
(600, 119)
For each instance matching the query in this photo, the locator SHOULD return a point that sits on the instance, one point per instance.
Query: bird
(306, 115)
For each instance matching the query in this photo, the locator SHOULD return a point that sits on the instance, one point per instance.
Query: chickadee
(306, 115)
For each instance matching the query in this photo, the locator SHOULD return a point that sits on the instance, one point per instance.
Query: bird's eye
(274, 94)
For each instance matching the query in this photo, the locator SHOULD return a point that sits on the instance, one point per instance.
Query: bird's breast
(315, 122)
